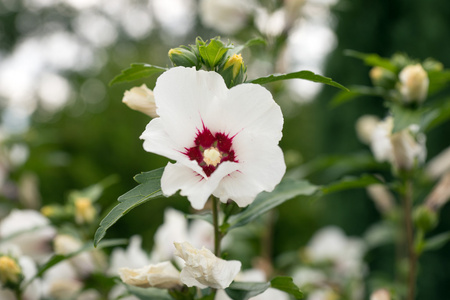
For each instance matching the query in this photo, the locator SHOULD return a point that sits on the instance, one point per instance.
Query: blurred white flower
(308, 276)
(66, 244)
(61, 281)
(414, 83)
(380, 294)
(226, 16)
(141, 98)
(203, 268)
(323, 294)
(365, 125)
(439, 165)
(32, 233)
(270, 24)
(133, 257)
(332, 245)
(174, 229)
(162, 275)
(224, 141)
(401, 148)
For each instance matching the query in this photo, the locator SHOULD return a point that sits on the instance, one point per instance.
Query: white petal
(193, 185)
(260, 172)
(156, 140)
(248, 108)
(183, 96)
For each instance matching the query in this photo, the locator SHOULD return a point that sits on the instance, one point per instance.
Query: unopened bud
(233, 70)
(382, 77)
(425, 218)
(380, 294)
(141, 99)
(10, 271)
(84, 211)
(413, 84)
(183, 57)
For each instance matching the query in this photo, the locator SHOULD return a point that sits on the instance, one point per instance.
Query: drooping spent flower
(141, 98)
(203, 268)
(162, 275)
(224, 141)
(414, 84)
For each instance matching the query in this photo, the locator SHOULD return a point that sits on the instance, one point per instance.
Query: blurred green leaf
(438, 81)
(381, 233)
(94, 192)
(249, 43)
(148, 293)
(351, 182)
(440, 113)
(307, 75)
(286, 284)
(89, 246)
(204, 217)
(149, 188)
(355, 92)
(436, 242)
(404, 117)
(265, 201)
(246, 290)
(372, 59)
(137, 71)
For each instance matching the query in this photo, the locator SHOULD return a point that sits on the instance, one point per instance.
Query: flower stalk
(217, 233)
(409, 232)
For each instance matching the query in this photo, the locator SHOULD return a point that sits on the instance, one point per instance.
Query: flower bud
(10, 271)
(141, 99)
(380, 294)
(413, 84)
(382, 77)
(406, 150)
(365, 126)
(233, 70)
(425, 218)
(84, 211)
(183, 57)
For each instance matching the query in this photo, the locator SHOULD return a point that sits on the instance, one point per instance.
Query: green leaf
(204, 217)
(286, 284)
(404, 117)
(89, 246)
(246, 290)
(438, 81)
(249, 43)
(355, 92)
(436, 242)
(137, 71)
(148, 293)
(265, 201)
(438, 114)
(149, 188)
(372, 59)
(351, 182)
(213, 53)
(93, 192)
(307, 75)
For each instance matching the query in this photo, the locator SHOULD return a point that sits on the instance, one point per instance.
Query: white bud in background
(380, 294)
(141, 99)
(365, 126)
(413, 84)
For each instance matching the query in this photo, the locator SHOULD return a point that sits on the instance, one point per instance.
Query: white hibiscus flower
(224, 141)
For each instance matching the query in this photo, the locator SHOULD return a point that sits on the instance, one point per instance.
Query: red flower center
(211, 150)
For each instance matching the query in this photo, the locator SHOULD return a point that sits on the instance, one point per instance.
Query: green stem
(217, 234)
(18, 293)
(412, 256)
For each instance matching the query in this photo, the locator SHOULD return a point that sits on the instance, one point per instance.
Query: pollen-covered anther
(212, 156)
